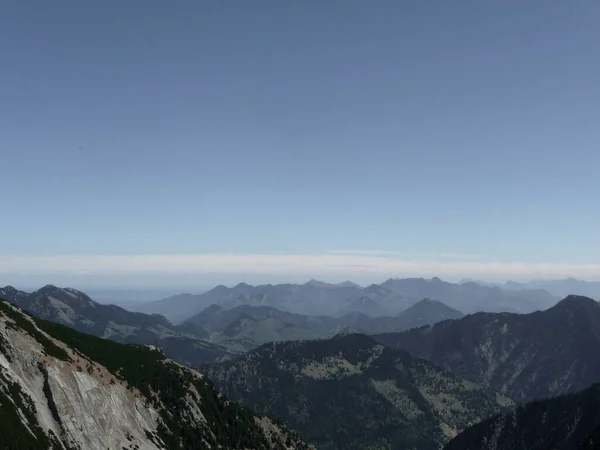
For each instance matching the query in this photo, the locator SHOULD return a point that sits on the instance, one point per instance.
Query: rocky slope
(61, 389)
(75, 309)
(569, 422)
(349, 392)
(524, 356)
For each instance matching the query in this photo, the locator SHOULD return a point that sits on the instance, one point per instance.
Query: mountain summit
(75, 309)
(428, 311)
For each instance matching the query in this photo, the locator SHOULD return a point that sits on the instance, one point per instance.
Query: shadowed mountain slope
(569, 422)
(524, 356)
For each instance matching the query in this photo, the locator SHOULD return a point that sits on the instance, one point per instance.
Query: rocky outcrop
(75, 399)
(63, 389)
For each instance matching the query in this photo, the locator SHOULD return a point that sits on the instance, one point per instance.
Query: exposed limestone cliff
(63, 389)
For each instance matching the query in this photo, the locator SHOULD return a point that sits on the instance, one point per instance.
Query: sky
(165, 143)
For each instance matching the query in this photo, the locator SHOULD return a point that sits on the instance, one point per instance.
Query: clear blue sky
(438, 130)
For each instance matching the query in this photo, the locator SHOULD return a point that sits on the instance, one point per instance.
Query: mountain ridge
(357, 393)
(523, 356)
(561, 288)
(77, 310)
(260, 326)
(319, 298)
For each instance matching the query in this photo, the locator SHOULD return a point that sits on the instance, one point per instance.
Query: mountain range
(388, 298)
(312, 298)
(523, 356)
(61, 389)
(428, 376)
(471, 297)
(186, 344)
(560, 288)
(215, 333)
(245, 327)
(349, 392)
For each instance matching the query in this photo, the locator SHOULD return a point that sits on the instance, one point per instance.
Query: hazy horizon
(193, 285)
(152, 145)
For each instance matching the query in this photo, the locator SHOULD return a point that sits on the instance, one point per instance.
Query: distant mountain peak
(317, 283)
(7, 289)
(576, 301)
(220, 287)
(48, 288)
(75, 309)
(578, 298)
(428, 302)
(430, 311)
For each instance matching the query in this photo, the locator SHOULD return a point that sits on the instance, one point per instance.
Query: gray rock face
(89, 408)
(55, 395)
